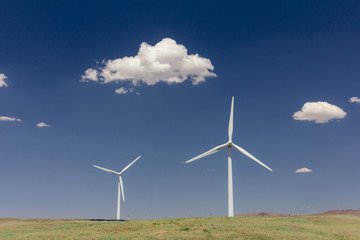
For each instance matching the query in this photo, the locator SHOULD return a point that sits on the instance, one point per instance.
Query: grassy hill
(327, 226)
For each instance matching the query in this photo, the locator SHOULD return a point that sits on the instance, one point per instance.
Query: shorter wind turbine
(228, 145)
(120, 183)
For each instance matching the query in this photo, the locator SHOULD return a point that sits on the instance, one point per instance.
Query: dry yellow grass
(344, 227)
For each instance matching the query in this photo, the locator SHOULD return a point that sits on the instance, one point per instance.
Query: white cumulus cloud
(121, 91)
(89, 74)
(354, 100)
(2, 80)
(42, 124)
(303, 170)
(9, 119)
(166, 61)
(320, 112)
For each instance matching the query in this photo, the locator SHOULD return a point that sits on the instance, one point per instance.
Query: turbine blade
(243, 151)
(231, 121)
(130, 165)
(211, 151)
(122, 188)
(106, 170)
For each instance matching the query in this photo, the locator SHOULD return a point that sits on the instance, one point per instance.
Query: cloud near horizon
(303, 170)
(354, 100)
(2, 80)
(319, 112)
(9, 119)
(42, 124)
(166, 61)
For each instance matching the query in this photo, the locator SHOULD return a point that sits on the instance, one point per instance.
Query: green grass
(341, 227)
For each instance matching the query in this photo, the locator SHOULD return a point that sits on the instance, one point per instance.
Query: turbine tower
(120, 184)
(229, 145)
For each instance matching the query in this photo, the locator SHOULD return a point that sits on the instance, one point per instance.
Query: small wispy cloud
(319, 112)
(303, 170)
(9, 119)
(42, 124)
(354, 100)
(2, 80)
(166, 61)
(121, 91)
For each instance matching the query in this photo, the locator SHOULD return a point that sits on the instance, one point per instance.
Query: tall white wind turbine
(229, 144)
(120, 183)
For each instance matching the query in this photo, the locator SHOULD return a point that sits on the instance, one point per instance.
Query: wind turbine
(229, 144)
(120, 183)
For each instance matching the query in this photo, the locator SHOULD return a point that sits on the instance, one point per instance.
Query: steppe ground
(241, 227)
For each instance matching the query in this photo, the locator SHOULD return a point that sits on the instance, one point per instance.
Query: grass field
(243, 227)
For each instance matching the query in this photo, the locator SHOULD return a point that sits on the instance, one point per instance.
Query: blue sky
(273, 57)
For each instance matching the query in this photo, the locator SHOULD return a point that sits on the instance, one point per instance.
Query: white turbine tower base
(230, 186)
(120, 184)
(229, 144)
